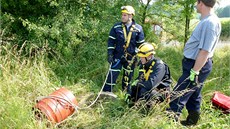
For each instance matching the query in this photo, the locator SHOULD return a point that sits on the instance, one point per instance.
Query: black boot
(192, 118)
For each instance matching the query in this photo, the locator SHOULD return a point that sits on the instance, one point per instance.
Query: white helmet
(128, 9)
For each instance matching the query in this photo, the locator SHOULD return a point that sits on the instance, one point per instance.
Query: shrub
(225, 32)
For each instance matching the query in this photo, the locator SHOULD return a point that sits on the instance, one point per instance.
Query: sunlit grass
(24, 79)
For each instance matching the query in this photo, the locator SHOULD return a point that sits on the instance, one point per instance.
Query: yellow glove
(193, 76)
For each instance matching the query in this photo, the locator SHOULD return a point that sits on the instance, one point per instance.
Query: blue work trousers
(114, 72)
(192, 97)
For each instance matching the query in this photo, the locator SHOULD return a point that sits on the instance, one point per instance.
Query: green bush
(225, 22)
(73, 23)
(29, 8)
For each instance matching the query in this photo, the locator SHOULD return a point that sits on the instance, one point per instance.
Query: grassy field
(24, 79)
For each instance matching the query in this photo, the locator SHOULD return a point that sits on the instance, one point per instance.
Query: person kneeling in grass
(153, 83)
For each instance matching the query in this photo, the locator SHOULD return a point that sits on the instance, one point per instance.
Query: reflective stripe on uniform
(111, 84)
(115, 70)
(127, 70)
(112, 37)
(117, 26)
(141, 41)
(111, 47)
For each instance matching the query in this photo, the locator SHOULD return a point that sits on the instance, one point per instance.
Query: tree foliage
(29, 8)
(73, 35)
(170, 15)
(225, 25)
(68, 25)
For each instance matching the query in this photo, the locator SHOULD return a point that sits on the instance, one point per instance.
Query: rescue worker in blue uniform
(197, 64)
(124, 38)
(154, 80)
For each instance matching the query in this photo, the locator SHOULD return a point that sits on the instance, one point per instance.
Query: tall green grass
(23, 79)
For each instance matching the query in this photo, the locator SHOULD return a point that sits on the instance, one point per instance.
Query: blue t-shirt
(205, 37)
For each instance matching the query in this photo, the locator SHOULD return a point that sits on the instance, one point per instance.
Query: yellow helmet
(145, 50)
(128, 9)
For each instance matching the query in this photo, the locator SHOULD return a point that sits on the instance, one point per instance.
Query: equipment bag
(221, 101)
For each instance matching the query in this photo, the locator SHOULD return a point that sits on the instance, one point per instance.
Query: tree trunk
(145, 12)
(189, 10)
(187, 23)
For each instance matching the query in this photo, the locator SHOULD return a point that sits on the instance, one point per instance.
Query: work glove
(193, 77)
(110, 59)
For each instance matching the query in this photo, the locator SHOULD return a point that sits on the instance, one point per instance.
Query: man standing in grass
(197, 64)
(124, 38)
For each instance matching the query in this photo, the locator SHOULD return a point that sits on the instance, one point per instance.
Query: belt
(210, 58)
(188, 59)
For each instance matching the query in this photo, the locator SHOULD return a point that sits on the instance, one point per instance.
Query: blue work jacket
(116, 41)
(159, 77)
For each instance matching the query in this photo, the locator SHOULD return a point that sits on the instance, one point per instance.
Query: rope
(57, 97)
(182, 92)
(99, 92)
(73, 105)
(177, 93)
(82, 108)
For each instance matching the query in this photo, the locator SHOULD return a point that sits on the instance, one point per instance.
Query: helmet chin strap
(130, 19)
(148, 59)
